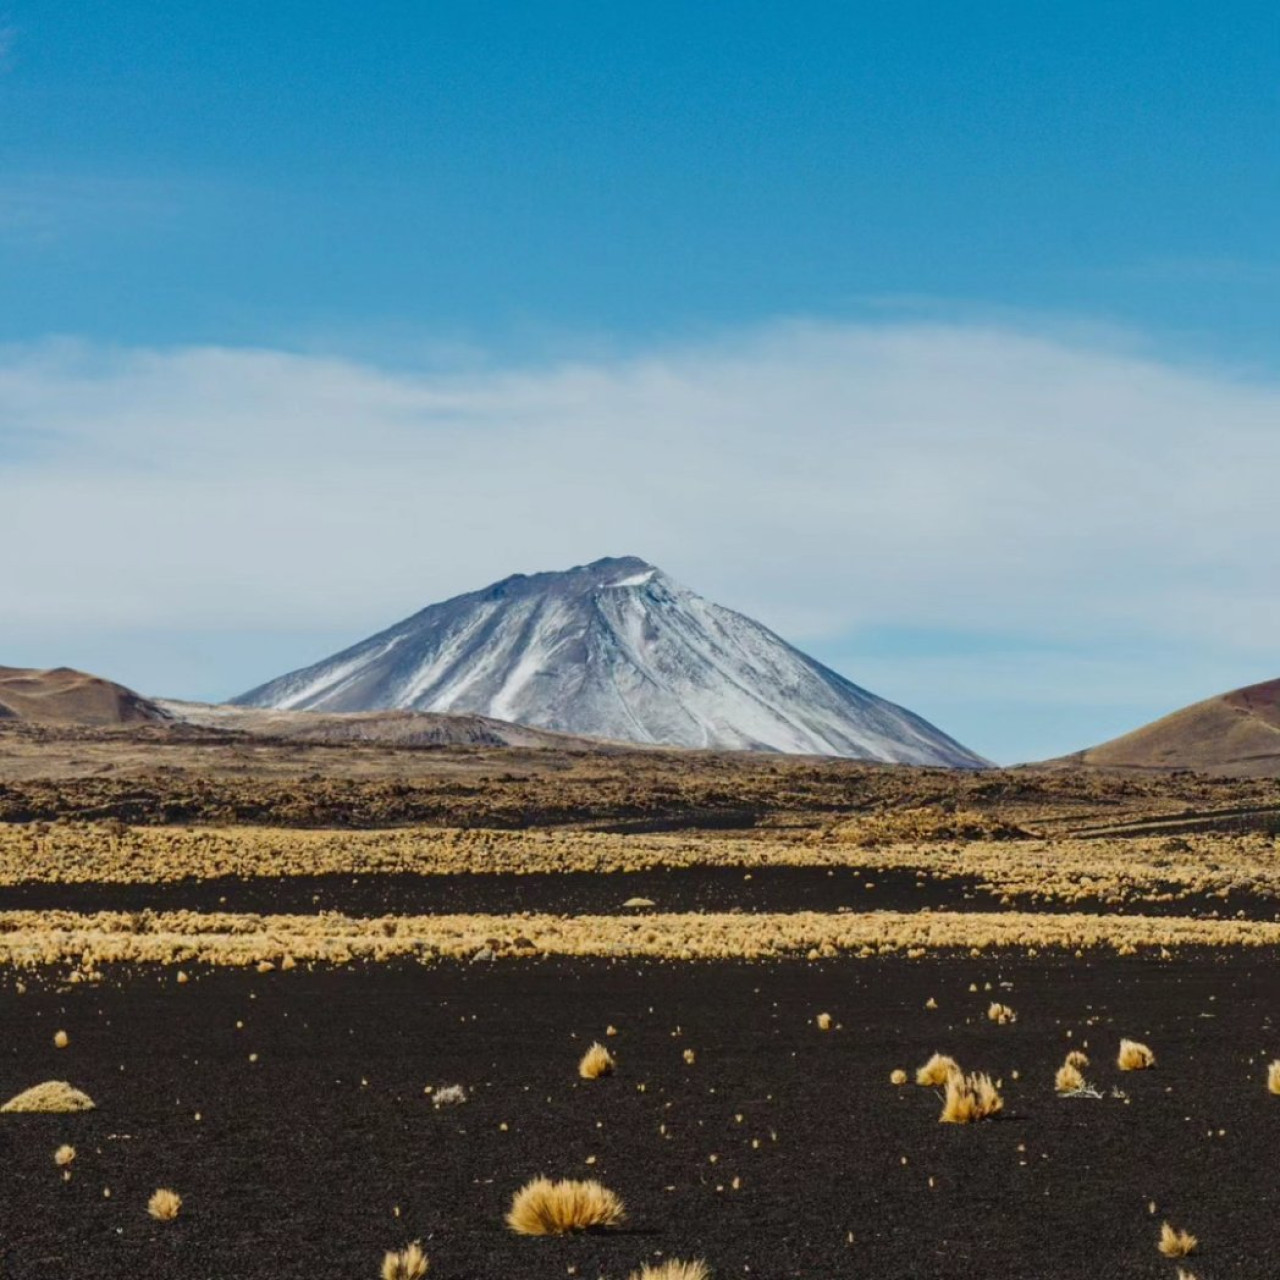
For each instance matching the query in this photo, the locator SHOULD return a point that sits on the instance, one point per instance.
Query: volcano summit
(614, 649)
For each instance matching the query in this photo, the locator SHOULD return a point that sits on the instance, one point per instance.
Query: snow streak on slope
(614, 649)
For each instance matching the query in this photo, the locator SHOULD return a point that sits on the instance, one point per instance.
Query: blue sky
(500, 193)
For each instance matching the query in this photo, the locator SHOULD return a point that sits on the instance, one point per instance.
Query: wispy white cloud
(824, 478)
(41, 209)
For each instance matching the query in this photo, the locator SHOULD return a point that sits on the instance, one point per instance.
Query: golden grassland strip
(33, 938)
(1118, 870)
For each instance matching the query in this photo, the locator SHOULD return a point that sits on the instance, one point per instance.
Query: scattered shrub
(1068, 1079)
(1273, 1077)
(596, 1062)
(937, 1071)
(1176, 1244)
(164, 1205)
(545, 1208)
(970, 1099)
(61, 1039)
(449, 1096)
(1001, 1013)
(64, 1155)
(409, 1264)
(1078, 1059)
(673, 1269)
(898, 1076)
(1134, 1056)
(824, 1024)
(52, 1095)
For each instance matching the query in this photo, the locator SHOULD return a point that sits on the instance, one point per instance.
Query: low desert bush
(1175, 1244)
(52, 1095)
(1068, 1079)
(164, 1205)
(61, 1039)
(673, 1269)
(970, 1099)
(937, 1071)
(898, 1076)
(410, 1263)
(451, 1095)
(545, 1208)
(1078, 1059)
(1134, 1056)
(596, 1062)
(1001, 1013)
(1273, 1077)
(824, 1022)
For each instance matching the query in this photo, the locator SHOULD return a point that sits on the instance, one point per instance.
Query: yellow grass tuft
(1134, 1056)
(1078, 1058)
(824, 1023)
(970, 1099)
(596, 1062)
(164, 1205)
(545, 1208)
(1176, 1244)
(1273, 1077)
(1068, 1079)
(52, 1095)
(937, 1071)
(61, 1039)
(409, 1264)
(673, 1269)
(64, 1155)
(1001, 1013)
(898, 1076)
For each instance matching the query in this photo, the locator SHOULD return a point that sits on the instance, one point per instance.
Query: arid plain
(267, 961)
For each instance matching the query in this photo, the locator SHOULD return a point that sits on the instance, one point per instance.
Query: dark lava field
(288, 1110)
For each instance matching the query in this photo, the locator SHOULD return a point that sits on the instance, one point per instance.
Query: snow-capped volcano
(614, 649)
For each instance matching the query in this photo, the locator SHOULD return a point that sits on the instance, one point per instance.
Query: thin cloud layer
(824, 478)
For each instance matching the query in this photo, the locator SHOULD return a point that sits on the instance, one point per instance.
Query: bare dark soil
(760, 889)
(299, 1159)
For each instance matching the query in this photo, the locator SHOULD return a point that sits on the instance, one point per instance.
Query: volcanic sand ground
(381, 919)
(781, 1150)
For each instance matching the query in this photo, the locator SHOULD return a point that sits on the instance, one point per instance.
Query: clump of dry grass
(898, 1076)
(51, 1096)
(1001, 1013)
(1069, 1079)
(824, 1021)
(451, 1095)
(673, 1269)
(970, 1099)
(596, 1062)
(64, 1155)
(410, 1263)
(1134, 1056)
(1176, 1244)
(61, 1039)
(545, 1208)
(1273, 1077)
(164, 1205)
(937, 1071)
(1077, 1058)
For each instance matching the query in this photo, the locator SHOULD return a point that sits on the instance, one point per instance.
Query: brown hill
(1235, 734)
(64, 696)
(390, 728)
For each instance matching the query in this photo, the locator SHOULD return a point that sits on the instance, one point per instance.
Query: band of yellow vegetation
(1113, 870)
(30, 938)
